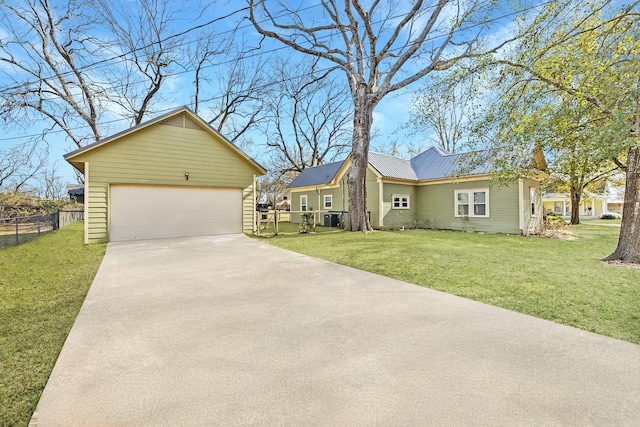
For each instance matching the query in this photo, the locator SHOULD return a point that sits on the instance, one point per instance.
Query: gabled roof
(437, 163)
(317, 175)
(392, 167)
(434, 163)
(184, 109)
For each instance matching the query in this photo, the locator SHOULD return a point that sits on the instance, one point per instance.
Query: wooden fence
(306, 220)
(66, 217)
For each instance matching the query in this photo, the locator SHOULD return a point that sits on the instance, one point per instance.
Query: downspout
(86, 203)
(520, 199)
(253, 208)
(342, 190)
(318, 208)
(380, 203)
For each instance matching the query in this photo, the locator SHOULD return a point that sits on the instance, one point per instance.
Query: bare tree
(310, 115)
(445, 110)
(145, 34)
(53, 59)
(51, 185)
(43, 56)
(381, 47)
(19, 164)
(231, 96)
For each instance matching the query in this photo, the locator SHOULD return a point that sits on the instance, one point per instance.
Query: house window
(474, 203)
(532, 198)
(303, 203)
(400, 201)
(328, 202)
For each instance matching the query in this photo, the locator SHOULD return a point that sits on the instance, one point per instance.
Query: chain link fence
(14, 231)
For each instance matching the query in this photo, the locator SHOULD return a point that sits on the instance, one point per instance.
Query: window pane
(479, 197)
(480, 210)
(463, 197)
(405, 202)
(463, 210)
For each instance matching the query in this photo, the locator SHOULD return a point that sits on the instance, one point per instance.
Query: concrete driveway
(229, 331)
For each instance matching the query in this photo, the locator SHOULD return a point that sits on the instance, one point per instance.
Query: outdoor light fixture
(186, 176)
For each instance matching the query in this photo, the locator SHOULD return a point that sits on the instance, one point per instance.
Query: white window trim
(304, 206)
(324, 201)
(470, 198)
(533, 202)
(400, 196)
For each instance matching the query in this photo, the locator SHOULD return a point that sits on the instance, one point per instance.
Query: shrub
(554, 221)
(610, 215)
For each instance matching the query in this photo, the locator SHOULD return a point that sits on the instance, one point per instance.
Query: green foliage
(570, 88)
(610, 215)
(42, 286)
(553, 221)
(560, 280)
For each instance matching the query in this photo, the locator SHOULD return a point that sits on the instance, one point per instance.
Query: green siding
(397, 218)
(339, 203)
(433, 205)
(340, 199)
(373, 198)
(436, 207)
(532, 224)
(248, 209)
(160, 155)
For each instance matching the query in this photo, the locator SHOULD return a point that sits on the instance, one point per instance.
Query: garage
(172, 176)
(153, 212)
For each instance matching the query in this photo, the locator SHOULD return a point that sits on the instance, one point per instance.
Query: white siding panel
(139, 212)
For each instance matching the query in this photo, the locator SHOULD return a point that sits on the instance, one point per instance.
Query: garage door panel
(148, 212)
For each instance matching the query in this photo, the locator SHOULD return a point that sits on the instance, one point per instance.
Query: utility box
(332, 220)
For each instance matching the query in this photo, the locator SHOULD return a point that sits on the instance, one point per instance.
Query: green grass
(42, 286)
(559, 280)
(26, 234)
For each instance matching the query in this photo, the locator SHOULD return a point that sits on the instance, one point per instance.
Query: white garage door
(148, 212)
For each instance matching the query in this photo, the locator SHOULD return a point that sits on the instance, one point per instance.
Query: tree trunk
(628, 249)
(357, 179)
(575, 206)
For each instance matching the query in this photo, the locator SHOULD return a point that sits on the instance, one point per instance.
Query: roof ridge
(388, 155)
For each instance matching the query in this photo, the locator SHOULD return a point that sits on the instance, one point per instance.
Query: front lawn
(42, 286)
(559, 280)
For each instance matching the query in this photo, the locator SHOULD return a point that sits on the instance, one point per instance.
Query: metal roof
(434, 163)
(392, 167)
(317, 175)
(438, 163)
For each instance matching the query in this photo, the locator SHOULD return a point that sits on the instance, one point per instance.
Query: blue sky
(392, 111)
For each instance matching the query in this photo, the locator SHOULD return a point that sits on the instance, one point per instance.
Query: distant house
(76, 193)
(427, 190)
(592, 205)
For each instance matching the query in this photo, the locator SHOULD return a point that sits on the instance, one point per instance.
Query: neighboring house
(425, 191)
(171, 176)
(591, 204)
(615, 199)
(76, 193)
